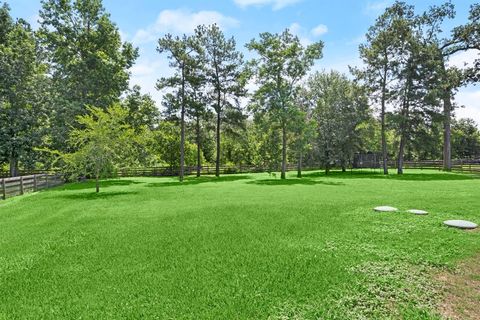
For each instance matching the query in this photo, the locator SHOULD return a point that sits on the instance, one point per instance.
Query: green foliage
(104, 142)
(22, 82)
(339, 108)
(167, 146)
(142, 111)
(77, 58)
(465, 139)
(225, 81)
(281, 64)
(88, 61)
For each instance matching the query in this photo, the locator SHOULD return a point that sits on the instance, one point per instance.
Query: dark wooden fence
(205, 170)
(15, 186)
(461, 165)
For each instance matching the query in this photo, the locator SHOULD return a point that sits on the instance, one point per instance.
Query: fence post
(21, 185)
(34, 183)
(4, 190)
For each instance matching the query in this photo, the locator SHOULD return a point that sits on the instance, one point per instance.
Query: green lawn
(237, 247)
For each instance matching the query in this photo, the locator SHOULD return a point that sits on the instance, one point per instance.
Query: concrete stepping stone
(385, 209)
(461, 224)
(418, 212)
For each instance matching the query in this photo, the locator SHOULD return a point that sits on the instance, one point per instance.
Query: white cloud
(123, 35)
(182, 21)
(319, 30)
(304, 35)
(276, 4)
(296, 29)
(376, 7)
(465, 58)
(470, 98)
(146, 72)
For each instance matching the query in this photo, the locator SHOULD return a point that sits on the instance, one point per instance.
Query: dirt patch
(462, 291)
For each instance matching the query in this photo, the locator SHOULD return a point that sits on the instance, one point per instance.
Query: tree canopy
(66, 88)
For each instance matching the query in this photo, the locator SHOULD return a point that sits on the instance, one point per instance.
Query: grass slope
(237, 247)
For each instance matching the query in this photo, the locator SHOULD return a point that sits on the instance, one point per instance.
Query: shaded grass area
(238, 246)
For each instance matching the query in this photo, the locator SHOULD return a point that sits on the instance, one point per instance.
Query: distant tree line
(65, 100)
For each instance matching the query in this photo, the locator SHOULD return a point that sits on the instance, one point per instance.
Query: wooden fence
(205, 170)
(459, 165)
(15, 186)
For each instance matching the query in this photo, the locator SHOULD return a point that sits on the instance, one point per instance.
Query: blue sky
(341, 24)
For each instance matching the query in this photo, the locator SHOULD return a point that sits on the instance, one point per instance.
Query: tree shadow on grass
(90, 184)
(198, 180)
(421, 175)
(95, 196)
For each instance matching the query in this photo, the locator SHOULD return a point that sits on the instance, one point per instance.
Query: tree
(448, 79)
(302, 127)
(224, 77)
(379, 56)
(269, 139)
(281, 65)
(339, 107)
(89, 62)
(141, 108)
(465, 139)
(183, 53)
(167, 143)
(103, 142)
(411, 70)
(22, 79)
(143, 116)
(198, 111)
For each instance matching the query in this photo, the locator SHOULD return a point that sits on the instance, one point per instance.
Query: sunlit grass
(237, 247)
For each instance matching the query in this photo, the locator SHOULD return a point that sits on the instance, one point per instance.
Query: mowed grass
(236, 247)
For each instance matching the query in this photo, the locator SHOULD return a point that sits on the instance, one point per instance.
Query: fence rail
(204, 170)
(467, 165)
(10, 187)
(460, 165)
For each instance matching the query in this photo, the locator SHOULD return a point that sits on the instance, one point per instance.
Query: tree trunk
(284, 151)
(199, 160)
(217, 160)
(382, 118)
(97, 183)
(403, 129)
(401, 151)
(384, 139)
(447, 114)
(182, 134)
(182, 145)
(13, 170)
(299, 166)
(327, 162)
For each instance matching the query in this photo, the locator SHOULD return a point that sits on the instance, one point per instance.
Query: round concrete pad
(416, 211)
(385, 209)
(462, 224)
